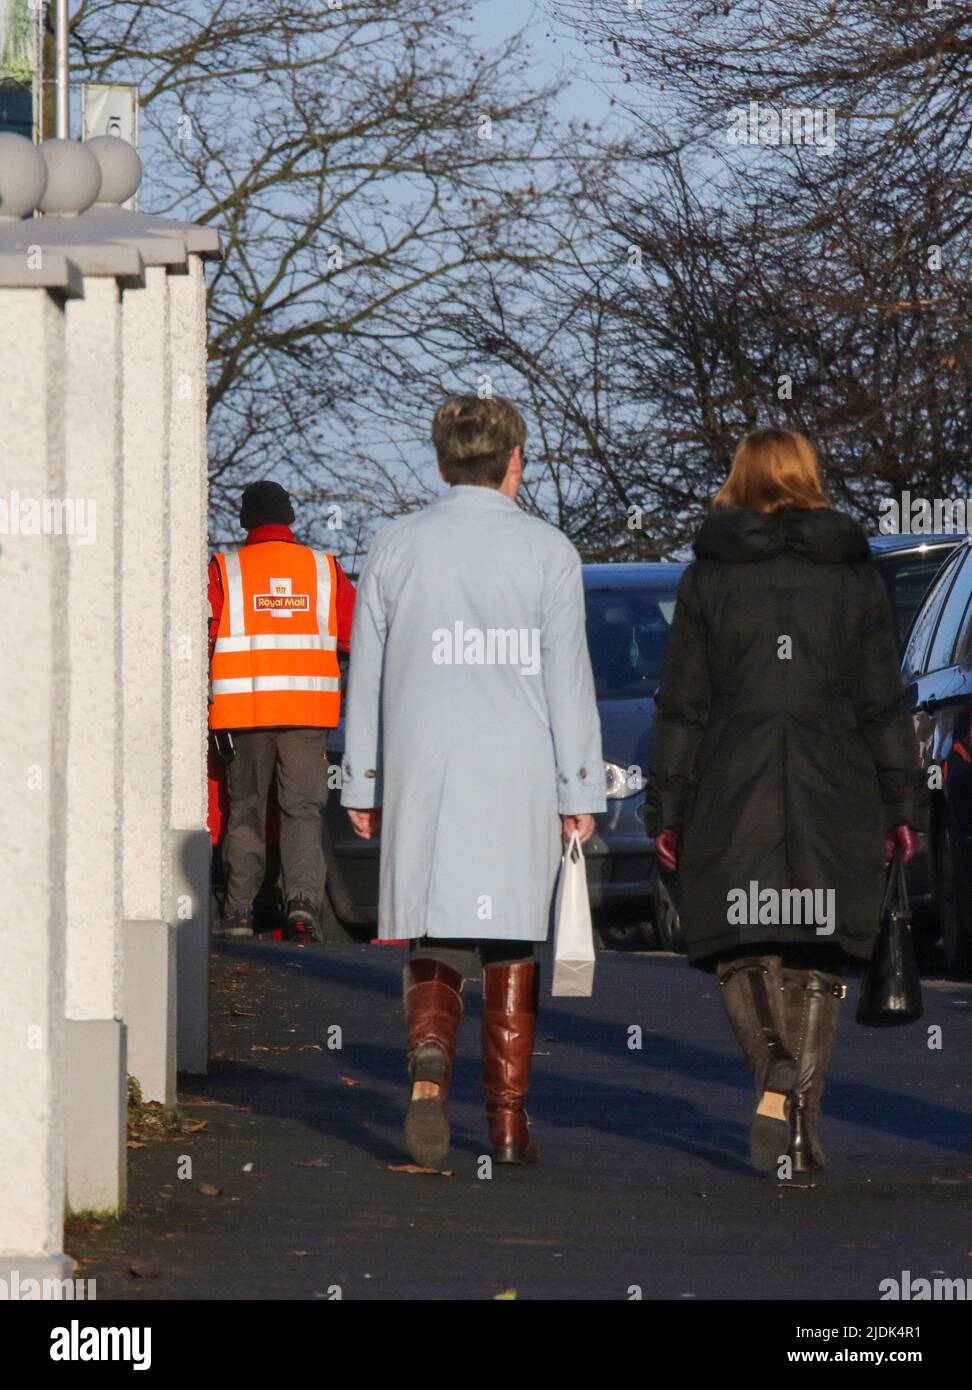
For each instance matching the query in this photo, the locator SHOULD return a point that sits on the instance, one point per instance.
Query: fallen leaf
(310, 1047)
(350, 1081)
(135, 1144)
(506, 1296)
(193, 1126)
(144, 1269)
(242, 1013)
(209, 1189)
(414, 1168)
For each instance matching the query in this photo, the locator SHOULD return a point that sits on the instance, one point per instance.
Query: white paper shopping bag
(573, 972)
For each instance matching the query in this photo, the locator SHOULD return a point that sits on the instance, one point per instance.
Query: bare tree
(362, 161)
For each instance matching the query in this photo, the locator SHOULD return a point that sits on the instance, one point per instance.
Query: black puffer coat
(782, 752)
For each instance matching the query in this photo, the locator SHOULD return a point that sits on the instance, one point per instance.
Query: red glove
(666, 847)
(903, 836)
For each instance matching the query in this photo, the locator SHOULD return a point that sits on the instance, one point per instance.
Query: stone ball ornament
(73, 178)
(121, 168)
(23, 176)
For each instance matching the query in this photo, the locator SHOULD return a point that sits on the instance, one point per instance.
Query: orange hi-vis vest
(275, 659)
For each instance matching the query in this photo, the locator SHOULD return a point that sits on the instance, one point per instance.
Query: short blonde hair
(474, 438)
(772, 470)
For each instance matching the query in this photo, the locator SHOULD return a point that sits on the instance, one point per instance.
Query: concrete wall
(102, 745)
(97, 1091)
(188, 612)
(33, 754)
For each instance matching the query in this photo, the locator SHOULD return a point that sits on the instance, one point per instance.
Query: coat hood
(736, 535)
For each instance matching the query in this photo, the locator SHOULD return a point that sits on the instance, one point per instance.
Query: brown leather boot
(752, 992)
(510, 995)
(812, 1002)
(433, 1010)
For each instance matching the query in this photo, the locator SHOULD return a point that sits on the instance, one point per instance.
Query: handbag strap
(573, 849)
(895, 886)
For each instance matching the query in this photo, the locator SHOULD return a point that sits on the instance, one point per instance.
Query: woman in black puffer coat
(785, 771)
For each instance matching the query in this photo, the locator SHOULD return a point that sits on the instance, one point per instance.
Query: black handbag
(891, 988)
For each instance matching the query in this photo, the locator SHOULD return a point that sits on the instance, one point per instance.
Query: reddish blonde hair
(773, 469)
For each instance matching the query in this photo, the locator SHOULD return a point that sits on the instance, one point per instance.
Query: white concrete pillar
(97, 1093)
(189, 879)
(149, 1005)
(33, 742)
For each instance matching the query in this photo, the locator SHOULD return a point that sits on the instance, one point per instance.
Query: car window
(953, 610)
(908, 580)
(962, 650)
(627, 635)
(916, 648)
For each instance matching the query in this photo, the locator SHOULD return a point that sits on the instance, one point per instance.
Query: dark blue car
(629, 616)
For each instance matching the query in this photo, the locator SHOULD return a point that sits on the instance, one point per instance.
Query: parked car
(937, 671)
(629, 617)
(908, 564)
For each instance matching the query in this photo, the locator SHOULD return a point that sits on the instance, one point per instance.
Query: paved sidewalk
(642, 1180)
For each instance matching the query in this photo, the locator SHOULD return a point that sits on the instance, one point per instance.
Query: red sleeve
(344, 605)
(215, 603)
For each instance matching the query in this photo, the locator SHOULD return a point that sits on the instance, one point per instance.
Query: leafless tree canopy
(404, 213)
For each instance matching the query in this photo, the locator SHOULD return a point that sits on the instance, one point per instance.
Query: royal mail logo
(293, 603)
(280, 601)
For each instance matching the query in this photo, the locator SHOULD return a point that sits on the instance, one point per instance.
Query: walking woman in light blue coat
(473, 744)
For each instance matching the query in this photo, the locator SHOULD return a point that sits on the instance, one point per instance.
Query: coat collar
(273, 531)
(461, 494)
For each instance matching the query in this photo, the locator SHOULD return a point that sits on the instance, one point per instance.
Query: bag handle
(572, 849)
(895, 886)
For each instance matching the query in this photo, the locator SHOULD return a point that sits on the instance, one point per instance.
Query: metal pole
(63, 88)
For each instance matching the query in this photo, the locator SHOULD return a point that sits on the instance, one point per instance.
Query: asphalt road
(642, 1184)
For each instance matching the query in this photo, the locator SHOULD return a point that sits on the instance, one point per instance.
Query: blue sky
(555, 50)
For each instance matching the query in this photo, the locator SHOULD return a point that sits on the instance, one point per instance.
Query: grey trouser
(301, 766)
(465, 955)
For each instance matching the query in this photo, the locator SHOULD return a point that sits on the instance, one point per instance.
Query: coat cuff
(582, 792)
(360, 791)
(663, 807)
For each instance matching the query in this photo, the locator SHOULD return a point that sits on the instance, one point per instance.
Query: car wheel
(668, 926)
(955, 904)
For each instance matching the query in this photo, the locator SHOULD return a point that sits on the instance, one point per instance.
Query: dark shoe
(752, 992)
(303, 917)
(510, 995)
(812, 1004)
(237, 925)
(433, 1011)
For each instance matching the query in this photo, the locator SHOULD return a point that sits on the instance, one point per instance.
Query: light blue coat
(471, 715)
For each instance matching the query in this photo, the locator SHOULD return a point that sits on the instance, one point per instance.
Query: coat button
(583, 772)
(370, 772)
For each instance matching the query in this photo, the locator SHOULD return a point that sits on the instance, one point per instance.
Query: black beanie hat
(265, 504)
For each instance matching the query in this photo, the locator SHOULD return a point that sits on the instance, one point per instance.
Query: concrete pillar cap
(73, 178)
(23, 176)
(121, 168)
